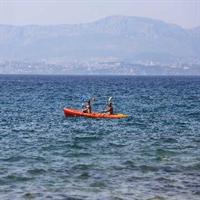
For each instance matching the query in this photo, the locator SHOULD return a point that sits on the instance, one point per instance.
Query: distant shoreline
(100, 75)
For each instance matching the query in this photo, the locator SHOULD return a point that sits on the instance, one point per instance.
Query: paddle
(86, 98)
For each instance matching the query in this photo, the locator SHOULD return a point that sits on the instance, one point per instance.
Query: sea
(154, 154)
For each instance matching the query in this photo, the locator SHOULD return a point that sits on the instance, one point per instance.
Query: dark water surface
(153, 154)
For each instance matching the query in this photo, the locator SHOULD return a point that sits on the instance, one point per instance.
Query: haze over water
(153, 154)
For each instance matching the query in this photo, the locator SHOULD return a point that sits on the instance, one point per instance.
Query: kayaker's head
(110, 104)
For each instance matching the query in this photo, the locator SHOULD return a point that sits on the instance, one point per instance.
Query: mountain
(123, 38)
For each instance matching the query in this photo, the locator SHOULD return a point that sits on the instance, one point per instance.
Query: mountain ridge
(120, 37)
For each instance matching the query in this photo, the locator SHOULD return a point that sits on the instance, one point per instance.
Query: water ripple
(151, 155)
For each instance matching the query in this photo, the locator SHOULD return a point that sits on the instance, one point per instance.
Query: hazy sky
(19, 12)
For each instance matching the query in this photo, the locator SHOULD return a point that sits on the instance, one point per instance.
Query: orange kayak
(68, 112)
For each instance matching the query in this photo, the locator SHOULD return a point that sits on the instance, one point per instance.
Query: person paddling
(109, 107)
(87, 108)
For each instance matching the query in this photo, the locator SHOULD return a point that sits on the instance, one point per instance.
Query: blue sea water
(153, 154)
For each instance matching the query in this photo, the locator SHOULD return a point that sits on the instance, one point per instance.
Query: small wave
(135, 178)
(157, 198)
(148, 168)
(14, 159)
(170, 140)
(98, 184)
(29, 195)
(78, 154)
(162, 154)
(164, 180)
(36, 171)
(87, 138)
(192, 167)
(82, 166)
(115, 144)
(16, 178)
(84, 175)
(129, 164)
